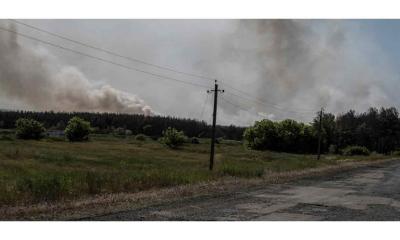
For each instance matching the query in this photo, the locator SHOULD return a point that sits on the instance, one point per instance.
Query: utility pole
(320, 133)
(214, 122)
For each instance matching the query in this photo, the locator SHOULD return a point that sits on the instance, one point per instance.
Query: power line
(235, 105)
(150, 64)
(238, 106)
(111, 52)
(102, 59)
(144, 62)
(203, 108)
(262, 103)
(248, 96)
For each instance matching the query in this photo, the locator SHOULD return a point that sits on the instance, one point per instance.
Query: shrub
(195, 140)
(355, 150)
(77, 129)
(140, 137)
(173, 138)
(29, 129)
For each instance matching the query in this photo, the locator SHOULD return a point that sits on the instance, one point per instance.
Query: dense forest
(109, 122)
(378, 130)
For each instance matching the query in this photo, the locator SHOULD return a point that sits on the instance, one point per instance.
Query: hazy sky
(292, 67)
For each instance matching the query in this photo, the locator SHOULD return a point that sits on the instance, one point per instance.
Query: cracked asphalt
(366, 194)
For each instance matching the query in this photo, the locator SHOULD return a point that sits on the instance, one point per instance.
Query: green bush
(77, 130)
(29, 129)
(355, 150)
(173, 138)
(140, 137)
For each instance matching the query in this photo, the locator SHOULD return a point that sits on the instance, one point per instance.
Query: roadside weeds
(113, 203)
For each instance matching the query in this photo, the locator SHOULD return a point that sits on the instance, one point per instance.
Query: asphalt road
(370, 193)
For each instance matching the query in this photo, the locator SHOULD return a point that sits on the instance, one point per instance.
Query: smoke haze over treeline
(28, 75)
(293, 66)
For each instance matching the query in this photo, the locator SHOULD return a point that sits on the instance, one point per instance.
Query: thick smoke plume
(301, 66)
(29, 76)
(294, 66)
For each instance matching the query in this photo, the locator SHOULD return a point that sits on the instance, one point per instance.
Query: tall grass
(246, 171)
(47, 187)
(47, 170)
(44, 187)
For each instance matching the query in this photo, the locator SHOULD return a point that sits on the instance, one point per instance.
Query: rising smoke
(302, 65)
(297, 65)
(30, 76)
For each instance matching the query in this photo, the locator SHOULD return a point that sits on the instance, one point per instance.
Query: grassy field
(53, 169)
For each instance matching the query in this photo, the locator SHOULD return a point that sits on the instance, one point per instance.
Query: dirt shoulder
(114, 203)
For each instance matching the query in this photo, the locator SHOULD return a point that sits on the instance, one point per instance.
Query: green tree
(263, 135)
(328, 133)
(173, 138)
(289, 133)
(29, 129)
(77, 129)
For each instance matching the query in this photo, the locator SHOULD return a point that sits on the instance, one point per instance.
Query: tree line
(376, 129)
(110, 122)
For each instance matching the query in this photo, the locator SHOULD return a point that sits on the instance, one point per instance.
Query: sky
(274, 69)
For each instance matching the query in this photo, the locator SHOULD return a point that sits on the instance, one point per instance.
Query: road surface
(369, 193)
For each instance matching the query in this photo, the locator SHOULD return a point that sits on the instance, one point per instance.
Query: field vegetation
(48, 158)
(53, 168)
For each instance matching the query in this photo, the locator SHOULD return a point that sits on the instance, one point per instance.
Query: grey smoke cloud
(302, 65)
(33, 77)
(294, 64)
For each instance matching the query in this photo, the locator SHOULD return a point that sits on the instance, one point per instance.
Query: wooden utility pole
(213, 123)
(320, 133)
